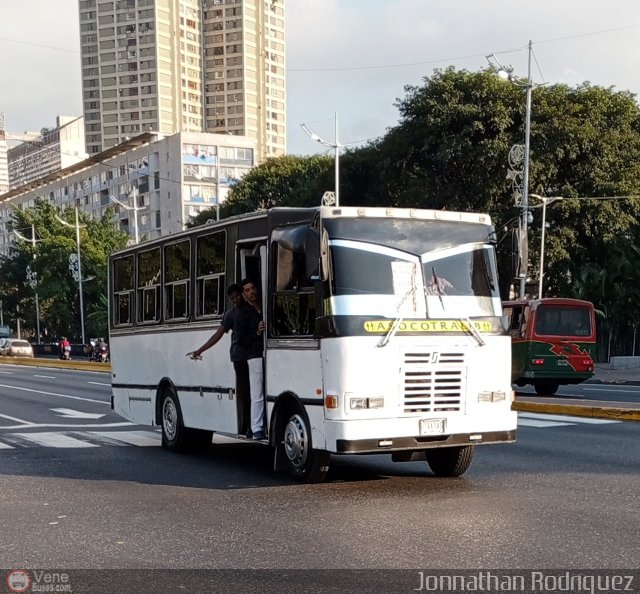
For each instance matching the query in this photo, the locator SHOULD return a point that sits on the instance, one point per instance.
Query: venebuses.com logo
(18, 580)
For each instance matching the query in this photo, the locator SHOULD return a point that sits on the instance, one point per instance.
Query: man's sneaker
(259, 435)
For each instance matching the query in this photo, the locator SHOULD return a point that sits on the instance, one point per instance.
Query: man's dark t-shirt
(230, 322)
(247, 332)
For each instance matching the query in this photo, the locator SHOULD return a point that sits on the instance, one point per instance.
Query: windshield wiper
(436, 282)
(474, 332)
(396, 323)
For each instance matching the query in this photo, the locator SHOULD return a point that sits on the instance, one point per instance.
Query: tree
(450, 151)
(57, 290)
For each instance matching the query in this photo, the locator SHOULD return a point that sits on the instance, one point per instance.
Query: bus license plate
(431, 426)
(563, 362)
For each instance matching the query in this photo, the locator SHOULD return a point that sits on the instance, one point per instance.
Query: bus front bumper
(397, 444)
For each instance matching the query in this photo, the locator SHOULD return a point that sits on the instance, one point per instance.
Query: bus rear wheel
(546, 388)
(450, 462)
(304, 463)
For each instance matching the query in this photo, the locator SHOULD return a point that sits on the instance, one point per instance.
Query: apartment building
(4, 164)
(213, 66)
(155, 183)
(52, 150)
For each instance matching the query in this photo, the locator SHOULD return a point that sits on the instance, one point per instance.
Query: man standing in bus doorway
(236, 353)
(250, 330)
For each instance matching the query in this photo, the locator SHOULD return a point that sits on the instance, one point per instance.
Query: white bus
(384, 335)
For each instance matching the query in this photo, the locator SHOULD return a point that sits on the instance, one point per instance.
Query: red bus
(553, 342)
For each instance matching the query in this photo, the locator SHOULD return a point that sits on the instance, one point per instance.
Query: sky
(350, 57)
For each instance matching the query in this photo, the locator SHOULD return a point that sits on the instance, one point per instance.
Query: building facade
(155, 183)
(213, 66)
(54, 149)
(4, 163)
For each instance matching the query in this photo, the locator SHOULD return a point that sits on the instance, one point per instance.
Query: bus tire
(174, 434)
(546, 388)
(303, 462)
(450, 462)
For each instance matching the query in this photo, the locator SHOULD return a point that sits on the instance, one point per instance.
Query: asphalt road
(82, 492)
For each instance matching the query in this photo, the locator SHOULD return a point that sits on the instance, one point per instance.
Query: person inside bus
(250, 330)
(236, 354)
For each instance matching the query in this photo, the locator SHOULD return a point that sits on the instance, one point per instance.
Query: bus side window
(294, 310)
(517, 324)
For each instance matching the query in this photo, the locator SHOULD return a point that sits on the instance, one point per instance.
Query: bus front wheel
(304, 463)
(450, 462)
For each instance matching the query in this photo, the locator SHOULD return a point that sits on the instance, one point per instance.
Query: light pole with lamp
(135, 210)
(506, 72)
(336, 146)
(75, 267)
(545, 200)
(32, 275)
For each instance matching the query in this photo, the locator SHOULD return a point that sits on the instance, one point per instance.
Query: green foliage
(57, 290)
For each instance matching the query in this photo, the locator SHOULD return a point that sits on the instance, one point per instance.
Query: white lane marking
(54, 394)
(51, 439)
(68, 425)
(99, 384)
(6, 372)
(22, 421)
(138, 438)
(5, 446)
(69, 413)
(587, 420)
(45, 376)
(536, 423)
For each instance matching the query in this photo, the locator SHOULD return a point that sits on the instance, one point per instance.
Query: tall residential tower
(184, 65)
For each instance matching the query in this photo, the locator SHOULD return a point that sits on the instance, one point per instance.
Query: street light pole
(79, 267)
(80, 276)
(32, 276)
(528, 85)
(134, 208)
(336, 146)
(525, 182)
(545, 200)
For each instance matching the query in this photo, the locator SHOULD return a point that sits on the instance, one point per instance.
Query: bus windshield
(369, 278)
(554, 320)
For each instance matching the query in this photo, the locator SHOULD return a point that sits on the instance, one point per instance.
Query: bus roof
(561, 301)
(281, 215)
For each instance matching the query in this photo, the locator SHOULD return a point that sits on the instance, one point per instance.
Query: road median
(619, 411)
(77, 365)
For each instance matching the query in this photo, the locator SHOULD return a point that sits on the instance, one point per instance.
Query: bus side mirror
(316, 254)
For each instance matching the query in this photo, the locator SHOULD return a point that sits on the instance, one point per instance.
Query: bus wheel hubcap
(169, 417)
(296, 441)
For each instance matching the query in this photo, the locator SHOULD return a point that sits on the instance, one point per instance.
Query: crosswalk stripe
(137, 438)
(52, 439)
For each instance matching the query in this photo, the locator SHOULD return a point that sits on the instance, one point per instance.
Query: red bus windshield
(554, 320)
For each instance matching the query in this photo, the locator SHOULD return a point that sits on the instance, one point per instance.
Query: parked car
(13, 347)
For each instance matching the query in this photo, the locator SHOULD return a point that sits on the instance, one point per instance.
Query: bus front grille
(433, 382)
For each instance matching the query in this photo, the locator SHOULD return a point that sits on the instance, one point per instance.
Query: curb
(578, 410)
(57, 363)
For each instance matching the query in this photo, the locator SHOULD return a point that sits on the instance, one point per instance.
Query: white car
(14, 347)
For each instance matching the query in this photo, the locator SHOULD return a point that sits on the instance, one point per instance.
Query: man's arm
(216, 336)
